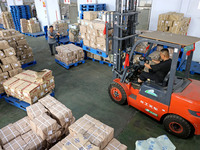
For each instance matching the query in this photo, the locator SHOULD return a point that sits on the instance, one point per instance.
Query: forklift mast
(125, 19)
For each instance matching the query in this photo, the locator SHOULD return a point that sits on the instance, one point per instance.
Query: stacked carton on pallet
(31, 25)
(74, 33)
(7, 20)
(10, 66)
(18, 42)
(24, 25)
(41, 129)
(174, 23)
(29, 86)
(69, 53)
(61, 27)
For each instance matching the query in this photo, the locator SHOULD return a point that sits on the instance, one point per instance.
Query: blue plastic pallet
(29, 64)
(101, 61)
(95, 51)
(92, 7)
(64, 40)
(37, 34)
(68, 66)
(195, 67)
(2, 95)
(19, 104)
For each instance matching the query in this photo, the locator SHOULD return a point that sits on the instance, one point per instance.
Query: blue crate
(70, 65)
(29, 64)
(95, 51)
(19, 104)
(37, 34)
(101, 61)
(195, 67)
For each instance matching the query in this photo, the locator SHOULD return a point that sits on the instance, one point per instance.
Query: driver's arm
(147, 65)
(156, 61)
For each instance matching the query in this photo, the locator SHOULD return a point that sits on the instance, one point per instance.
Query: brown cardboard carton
(6, 68)
(83, 29)
(176, 16)
(90, 15)
(4, 76)
(12, 31)
(114, 144)
(93, 45)
(97, 57)
(2, 89)
(15, 65)
(22, 42)
(19, 89)
(9, 52)
(90, 55)
(58, 146)
(86, 42)
(99, 25)
(8, 82)
(14, 38)
(8, 133)
(48, 101)
(35, 110)
(21, 36)
(101, 41)
(2, 55)
(4, 33)
(44, 126)
(22, 125)
(19, 48)
(12, 88)
(43, 75)
(13, 45)
(33, 141)
(54, 137)
(16, 144)
(4, 44)
(61, 114)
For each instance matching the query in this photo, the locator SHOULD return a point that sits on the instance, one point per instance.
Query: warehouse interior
(84, 87)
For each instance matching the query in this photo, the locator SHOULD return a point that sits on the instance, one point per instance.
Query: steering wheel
(143, 60)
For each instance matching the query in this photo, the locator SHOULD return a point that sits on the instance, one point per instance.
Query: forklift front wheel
(177, 126)
(117, 93)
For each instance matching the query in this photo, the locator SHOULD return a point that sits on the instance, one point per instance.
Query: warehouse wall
(14, 2)
(189, 7)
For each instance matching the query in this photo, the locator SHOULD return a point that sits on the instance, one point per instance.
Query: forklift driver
(157, 72)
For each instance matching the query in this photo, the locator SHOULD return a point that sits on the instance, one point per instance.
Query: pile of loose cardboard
(69, 53)
(61, 26)
(10, 66)
(174, 23)
(17, 40)
(7, 20)
(74, 33)
(29, 86)
(42, 128)
(31, 25)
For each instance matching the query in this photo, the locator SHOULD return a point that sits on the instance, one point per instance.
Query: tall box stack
(24, 25)
(33, 26)
(69, 53)
(29, 86)
(18, 42)
(74, 33)
(93, 35)
(7, 20)
(10, 66)
(173, 22)
(61, 27)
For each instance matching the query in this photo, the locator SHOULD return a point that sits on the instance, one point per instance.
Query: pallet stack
(108, 60)
(7, 20)
(91, 7)
(10, 66)
(46, 123)
(19, 12)
(16, 40)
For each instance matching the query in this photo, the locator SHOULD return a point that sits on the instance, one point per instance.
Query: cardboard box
(13, 45)
(58, 146)
(44, 126)
(93, 45)
(8, 133)
(52, 139)
(83, 29)
(9, 52)
(90, 15)
(114, 144)
(22, 42)
(97, 57)
(22, 125)
(33, 141)
(4, 76)
(16, 65)
(4, 33)
(2, 55)
(35, 110)
(86, 42)
(17, 143)
(101, 41)
(6, 67)
(8, 82)
(4, 44)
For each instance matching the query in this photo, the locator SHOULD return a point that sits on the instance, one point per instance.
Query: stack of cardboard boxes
(109, 59)
(7, 20)
(18, 42)
(10, 66)
(29, 86)
(31, 25)
(69, 53)
(174, 23)
(74, 33)
(42, 128)
(61, 27)
(88, 132)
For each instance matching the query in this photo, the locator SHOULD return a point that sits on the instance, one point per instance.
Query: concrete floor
(83, 89)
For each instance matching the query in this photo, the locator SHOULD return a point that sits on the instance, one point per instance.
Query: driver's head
(51, 28)
(164, 54)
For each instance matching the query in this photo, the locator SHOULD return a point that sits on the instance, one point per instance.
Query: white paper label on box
(19, 92)
(66, 119)
(51, 80)
(16, 65)
(12, 90)
(42, 93)
(14, 39)
(6, 87)
(38, 87)
(5, 77)
(11, 53)
(6, 66)
(20, 48)
(50, 132)
(1, 54)
(35, 99)
(44, 86)
(26, 94)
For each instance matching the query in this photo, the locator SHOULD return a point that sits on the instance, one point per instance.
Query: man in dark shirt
(52, 39)
(157, 72)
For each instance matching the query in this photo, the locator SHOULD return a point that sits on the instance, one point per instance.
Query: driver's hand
(142, 63)
(148, 58)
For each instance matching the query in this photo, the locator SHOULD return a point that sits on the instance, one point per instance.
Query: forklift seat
(166, 79)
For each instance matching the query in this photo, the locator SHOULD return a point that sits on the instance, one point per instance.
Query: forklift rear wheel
(117, 93)
(177, 126)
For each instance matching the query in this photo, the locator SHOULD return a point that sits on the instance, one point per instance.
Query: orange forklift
(176, 101)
